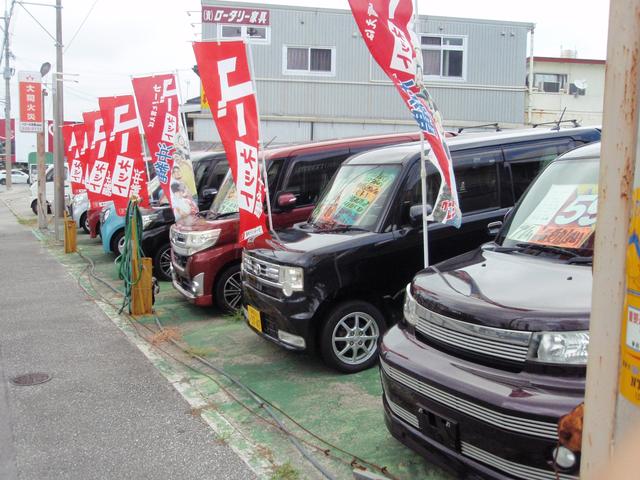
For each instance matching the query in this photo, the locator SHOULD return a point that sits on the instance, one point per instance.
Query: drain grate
(30, 379)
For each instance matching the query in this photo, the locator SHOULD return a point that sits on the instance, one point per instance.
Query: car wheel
(117, 242)
(350, 337)
(162, 263)
(228, 291)
(34, 207)
(2, 181)
(84, 222)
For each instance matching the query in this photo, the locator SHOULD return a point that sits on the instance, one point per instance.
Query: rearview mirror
(209, 193)
(286, 200)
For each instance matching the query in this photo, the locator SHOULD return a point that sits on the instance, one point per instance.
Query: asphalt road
(107, 413)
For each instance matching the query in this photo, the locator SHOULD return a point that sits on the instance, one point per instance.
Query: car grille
(263, 271)
(517, 470)
(496, 343)
(537, 428)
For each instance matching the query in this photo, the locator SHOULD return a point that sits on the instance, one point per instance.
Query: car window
(476, 173)
(201, 171)
(411, 193)
(309, 177)
(218, 174)
(527, 159)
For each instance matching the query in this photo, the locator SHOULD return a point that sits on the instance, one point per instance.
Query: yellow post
(70, 235)
(141, 301)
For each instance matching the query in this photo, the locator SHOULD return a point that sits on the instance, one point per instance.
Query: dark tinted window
(309, 177)
(526, 160)
(201, 170)
(476, 173)
(411, 193)
(219, 171)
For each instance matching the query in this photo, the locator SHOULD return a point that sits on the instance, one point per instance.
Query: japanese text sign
(126, 176)
(97, 164)
(225, 75)
(387, 29)
(74, 137)
(235, 16)
(30, 89)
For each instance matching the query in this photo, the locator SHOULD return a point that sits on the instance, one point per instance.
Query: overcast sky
(121, 38)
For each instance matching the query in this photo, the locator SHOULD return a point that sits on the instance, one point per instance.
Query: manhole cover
(31, 379)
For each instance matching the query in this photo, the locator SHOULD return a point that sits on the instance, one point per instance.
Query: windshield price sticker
(565, 217)
(230, 201)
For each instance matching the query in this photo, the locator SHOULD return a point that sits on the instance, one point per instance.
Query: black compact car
(336, 283)
(492, 349)
(209, 170)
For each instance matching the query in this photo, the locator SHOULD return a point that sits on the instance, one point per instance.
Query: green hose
(124, 260)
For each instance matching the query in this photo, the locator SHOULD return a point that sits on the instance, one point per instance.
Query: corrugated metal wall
(493, 91)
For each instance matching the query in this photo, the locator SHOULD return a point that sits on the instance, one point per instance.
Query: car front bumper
(481, 420)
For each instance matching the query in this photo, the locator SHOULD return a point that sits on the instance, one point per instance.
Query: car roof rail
(495, 125)
(557, 123)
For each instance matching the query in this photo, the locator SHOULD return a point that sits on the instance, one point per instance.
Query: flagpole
(181, 110)
(260, 145)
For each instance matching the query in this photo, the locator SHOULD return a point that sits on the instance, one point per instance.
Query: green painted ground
(345, 411)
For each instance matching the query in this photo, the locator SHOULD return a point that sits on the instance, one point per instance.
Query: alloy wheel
(232, 291)
(165, 263)
(355, 338)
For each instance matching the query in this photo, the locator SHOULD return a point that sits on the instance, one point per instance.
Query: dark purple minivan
(492, 349)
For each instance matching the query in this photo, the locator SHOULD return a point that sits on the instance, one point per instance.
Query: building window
(444, 57)
(309, 60)
(249, 33)
(550, 82)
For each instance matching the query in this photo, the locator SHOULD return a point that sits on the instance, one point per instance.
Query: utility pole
(612, 397)
(58, 115)
(7, 100)
(42, 184)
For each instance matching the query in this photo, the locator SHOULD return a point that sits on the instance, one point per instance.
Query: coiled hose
(125, 273)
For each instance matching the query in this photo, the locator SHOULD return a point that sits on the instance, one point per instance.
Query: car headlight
(410, 307)
(560, 347)
(105, 215)
(291, 279)
(197, 241)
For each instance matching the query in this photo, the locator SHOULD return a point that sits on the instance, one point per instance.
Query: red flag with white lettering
(73, 136)
(158, 104)
(97, 164)
(387, 27)
(127, 177)
(226, 79)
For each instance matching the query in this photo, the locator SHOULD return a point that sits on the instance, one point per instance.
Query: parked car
(210, 170)
(49, 190)
(337, 281)
(80, 210)
(93, 221)
(492, 349)
(17, 176)
(206, 256)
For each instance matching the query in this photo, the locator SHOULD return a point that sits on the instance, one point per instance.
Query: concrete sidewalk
(107, 413)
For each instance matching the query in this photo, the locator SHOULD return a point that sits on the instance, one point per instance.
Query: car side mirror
(493, 228)
(209, 193)
(286, 200)
(415, 214)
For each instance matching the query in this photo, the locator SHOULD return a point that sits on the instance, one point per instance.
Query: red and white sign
(387, 29)
(225, 75)
(97, 164)
(30, 88)
(158, 104)
(235, 16)
(13, 138)
(74, 137)
(49, 127)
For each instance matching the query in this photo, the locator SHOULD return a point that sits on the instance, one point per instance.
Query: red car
(93, 220)
(206, 256)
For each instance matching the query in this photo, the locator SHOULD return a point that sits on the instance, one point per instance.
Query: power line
(81, 25)
(37, 21)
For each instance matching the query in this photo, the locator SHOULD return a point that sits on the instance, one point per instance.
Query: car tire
(117, 242)
(162, 263)
(350, 338)
(2, 181)
(34, 207)
(228, 289)
(83, 222)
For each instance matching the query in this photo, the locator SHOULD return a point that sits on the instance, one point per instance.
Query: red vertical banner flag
(73, 136)
(159, 108)
(387, 27)
(127, 176)
(226, 78)
(96, 181)
(30, 90)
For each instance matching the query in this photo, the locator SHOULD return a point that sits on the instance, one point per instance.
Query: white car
(79, 210)
(17, 176)
(49, 190)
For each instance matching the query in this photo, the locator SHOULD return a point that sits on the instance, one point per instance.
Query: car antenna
(270, 141)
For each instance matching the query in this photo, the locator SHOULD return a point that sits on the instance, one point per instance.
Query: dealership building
(316, 79)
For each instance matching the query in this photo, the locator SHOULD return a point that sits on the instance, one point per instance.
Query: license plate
(253, 315)
(441, 429)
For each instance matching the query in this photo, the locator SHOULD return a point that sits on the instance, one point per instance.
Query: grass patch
(285, 472)
(199, 351)
(236, 316)
(28, 222)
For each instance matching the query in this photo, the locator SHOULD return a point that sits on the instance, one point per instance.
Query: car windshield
(356, 197)
(558, 213)
(226, 202)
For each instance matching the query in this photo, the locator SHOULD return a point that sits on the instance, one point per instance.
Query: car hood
(508, 290)
(299, 247)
